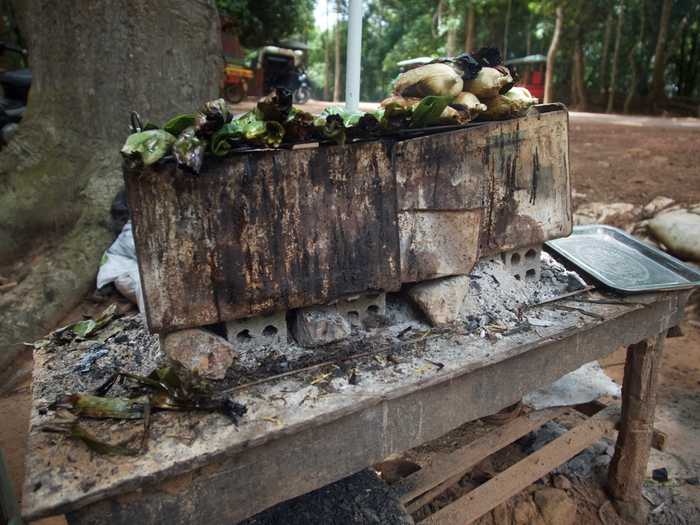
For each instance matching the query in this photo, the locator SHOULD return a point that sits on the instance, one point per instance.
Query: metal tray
(621, 262)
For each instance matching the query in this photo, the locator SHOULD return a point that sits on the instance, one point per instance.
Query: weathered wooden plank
(424, 485)
(438, 243)
(264, 232)
(639, 390)
(526, 471)
(325, 442)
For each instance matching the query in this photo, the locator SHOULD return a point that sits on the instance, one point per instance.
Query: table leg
(629, 462)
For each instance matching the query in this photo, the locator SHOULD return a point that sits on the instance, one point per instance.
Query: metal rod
(354, 50)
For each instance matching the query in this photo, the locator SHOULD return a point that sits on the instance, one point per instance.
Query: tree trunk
(579, 76)
(528, 37)
(616, 54)
(92, 63)
(656, 93)
(506, 30)
(451, 44)
(551, 56)
(633, 62)
(606, 48)
(469, 28)
(326, 68)
(336, 62)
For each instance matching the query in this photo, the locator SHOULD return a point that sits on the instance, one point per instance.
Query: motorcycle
(302, 93)
(15, 86)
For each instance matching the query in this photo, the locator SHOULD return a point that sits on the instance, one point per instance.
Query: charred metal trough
(281, 229)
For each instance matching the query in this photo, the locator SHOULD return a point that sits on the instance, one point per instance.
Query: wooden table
(299, 435)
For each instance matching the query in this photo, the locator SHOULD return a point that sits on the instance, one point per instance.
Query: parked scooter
(302, 93)
(15, 86)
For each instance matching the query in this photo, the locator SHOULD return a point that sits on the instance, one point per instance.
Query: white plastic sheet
(580, 386)
(119, 266)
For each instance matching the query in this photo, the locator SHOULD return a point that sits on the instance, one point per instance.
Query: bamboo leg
(629, 462)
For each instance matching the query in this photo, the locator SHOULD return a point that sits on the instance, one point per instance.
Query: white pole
(353, 52)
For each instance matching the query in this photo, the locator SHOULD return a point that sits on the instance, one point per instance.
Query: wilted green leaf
(150, 146)
(107, 407)
(178, 124)
(428, 111)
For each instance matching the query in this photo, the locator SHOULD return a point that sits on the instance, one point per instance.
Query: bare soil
(627, 163)
(611, 162)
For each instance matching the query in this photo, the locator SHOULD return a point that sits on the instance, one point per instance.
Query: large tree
(92, 63)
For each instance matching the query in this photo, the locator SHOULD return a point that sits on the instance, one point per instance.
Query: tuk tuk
(531, 69)
(272, 67)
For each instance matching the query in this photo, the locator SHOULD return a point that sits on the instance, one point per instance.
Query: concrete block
(438, 243)
(357, 308)
(259, 330)
(319, 325)
(524, 263)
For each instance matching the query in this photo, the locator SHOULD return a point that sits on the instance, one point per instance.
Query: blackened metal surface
(264, 232)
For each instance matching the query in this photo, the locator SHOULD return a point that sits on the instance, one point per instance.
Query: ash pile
(490, 302)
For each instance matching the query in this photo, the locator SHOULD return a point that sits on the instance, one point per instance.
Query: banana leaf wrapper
(428, 111)
(180, 123)
(275, 107)
(358, 124)
(299, 126)
(330, 127)
(247, 129)
(213, 115)
(189, 150)
(147, 147)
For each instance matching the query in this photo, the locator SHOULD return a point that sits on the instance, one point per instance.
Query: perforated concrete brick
(357, 308)
(259, 330)
(524, 263)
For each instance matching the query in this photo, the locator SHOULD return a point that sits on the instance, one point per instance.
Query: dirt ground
(620, 161)
(612, 160)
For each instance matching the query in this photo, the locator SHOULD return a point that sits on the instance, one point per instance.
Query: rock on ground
(656, 205)
(619, 214)
(200, 351)
(679, 231)
(555, 506)
(441, 299)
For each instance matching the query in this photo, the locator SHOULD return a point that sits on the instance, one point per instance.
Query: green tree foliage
(395, 30)
(260, 22)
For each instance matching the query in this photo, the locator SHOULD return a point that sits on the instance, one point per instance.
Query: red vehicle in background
(531, 70)
(236, 82)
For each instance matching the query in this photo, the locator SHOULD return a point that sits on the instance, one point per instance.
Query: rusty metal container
(275, 230)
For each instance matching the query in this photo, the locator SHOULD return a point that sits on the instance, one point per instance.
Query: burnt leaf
(275, 107)
(189, 150)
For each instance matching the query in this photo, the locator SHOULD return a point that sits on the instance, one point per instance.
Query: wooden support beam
(659, 438)
(423, 486)
(514, 479)
(639, 389)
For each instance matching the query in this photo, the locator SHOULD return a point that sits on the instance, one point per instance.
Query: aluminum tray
(621, 262)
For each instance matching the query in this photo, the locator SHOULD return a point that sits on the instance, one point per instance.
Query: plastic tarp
(119, 266)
